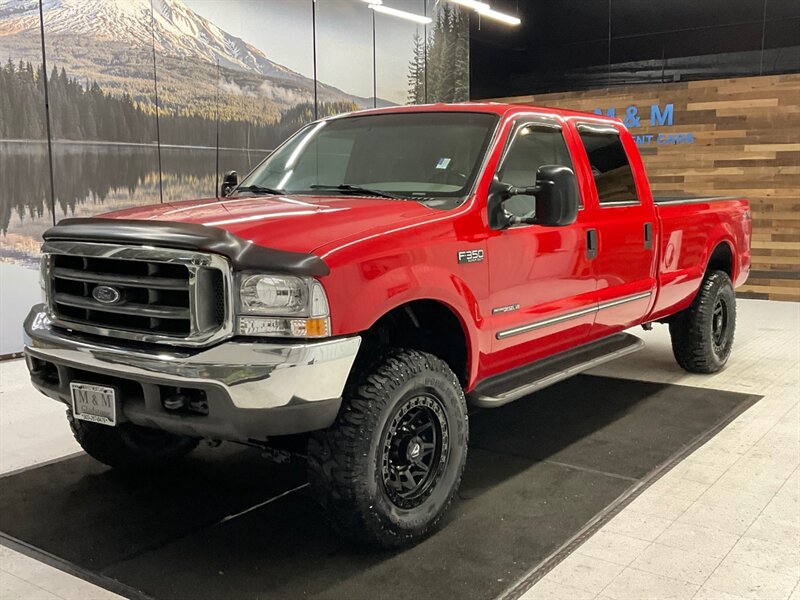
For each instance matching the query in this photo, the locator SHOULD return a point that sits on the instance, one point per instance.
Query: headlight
(282, 306)
(273, 295)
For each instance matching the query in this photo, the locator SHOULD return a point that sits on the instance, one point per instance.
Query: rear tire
(129, 446)
(388, 469)
(702, 335)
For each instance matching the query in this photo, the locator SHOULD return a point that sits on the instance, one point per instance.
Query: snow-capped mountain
(179, 31)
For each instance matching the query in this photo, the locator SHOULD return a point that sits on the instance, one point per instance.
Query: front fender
(360, 294)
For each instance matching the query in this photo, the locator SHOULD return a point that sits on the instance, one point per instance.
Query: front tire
(702, 335)
(128, 446)
(388, 469)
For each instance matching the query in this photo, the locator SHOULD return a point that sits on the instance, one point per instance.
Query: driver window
(532, 146)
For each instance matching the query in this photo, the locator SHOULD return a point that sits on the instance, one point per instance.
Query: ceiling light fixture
(485, 10)
(399, 13)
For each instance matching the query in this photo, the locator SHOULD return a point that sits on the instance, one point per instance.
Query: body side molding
(501, 335)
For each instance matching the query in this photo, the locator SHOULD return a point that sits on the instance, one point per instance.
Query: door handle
(648, 236)
(591, 243)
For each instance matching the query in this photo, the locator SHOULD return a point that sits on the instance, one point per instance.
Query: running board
(515, 384)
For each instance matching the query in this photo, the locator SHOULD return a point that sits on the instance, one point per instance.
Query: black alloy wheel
(415, 451)
(719, 325)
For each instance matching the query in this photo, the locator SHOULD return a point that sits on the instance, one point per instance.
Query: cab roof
(499, 108)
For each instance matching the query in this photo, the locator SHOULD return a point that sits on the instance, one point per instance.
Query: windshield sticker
(442, 163)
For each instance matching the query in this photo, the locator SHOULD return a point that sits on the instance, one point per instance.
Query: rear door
(626, 227)
(542, 282)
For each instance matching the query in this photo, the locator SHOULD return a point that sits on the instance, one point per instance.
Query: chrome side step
(510, 386)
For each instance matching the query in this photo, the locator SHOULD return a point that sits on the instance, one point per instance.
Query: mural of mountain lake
(89, 179)
(95, 178)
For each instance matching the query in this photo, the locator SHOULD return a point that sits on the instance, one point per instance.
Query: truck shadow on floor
(538, 470)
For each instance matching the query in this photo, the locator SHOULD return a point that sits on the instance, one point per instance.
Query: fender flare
(459, 300)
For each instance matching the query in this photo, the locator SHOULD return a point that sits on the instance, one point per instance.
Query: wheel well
(425, 325)
(721, 259)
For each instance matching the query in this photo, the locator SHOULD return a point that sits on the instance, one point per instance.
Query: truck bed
(687, 224)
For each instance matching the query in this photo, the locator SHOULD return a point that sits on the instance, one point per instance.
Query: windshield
(406, 155)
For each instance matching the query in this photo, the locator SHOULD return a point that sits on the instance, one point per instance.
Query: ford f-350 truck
(371, 277)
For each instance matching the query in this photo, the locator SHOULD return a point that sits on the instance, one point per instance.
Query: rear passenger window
(612, 172)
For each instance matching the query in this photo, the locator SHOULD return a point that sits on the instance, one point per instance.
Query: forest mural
(148, 98)
(91, 114)
(439, 67)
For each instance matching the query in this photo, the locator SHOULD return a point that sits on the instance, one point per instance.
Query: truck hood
(292, 223)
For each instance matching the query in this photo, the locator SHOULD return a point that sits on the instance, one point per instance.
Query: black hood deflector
(243, 255)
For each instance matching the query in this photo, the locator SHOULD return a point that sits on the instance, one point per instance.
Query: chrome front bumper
(256, 378)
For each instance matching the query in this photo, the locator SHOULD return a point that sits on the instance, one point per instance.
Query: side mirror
(556, 193)
(229, 182)
(557, 198)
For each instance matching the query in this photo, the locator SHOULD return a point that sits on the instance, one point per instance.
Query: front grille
(153, 296)
(219, 296)
(168, 297)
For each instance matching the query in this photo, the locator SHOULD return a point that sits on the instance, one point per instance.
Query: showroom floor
(723, 523)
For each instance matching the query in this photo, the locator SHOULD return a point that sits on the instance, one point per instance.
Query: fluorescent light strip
(484, 10)
(400, 13)
(498, 16)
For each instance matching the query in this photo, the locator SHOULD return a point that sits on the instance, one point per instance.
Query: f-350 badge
(470, 256)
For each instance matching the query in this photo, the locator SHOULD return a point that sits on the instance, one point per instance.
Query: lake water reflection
(96, 178)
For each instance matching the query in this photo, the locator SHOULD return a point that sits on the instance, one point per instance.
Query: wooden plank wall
(746, 142)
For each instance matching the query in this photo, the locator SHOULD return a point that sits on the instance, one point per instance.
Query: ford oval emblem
(106, 294)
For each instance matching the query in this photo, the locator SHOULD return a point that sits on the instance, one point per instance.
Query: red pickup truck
(375, 274)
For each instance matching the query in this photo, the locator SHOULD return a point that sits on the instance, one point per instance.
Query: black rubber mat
(538, 471)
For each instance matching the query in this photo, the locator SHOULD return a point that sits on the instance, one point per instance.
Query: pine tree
(87, 118)
(439, 79)
(416, 72)
(435, 59)
(461, 64)
(448, 56)
(448, 81)
(5, 108)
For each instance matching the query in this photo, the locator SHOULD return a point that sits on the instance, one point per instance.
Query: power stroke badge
(470, 256)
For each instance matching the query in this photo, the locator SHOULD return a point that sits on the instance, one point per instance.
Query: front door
(542, 282)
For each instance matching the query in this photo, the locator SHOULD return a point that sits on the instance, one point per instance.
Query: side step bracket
(515, 384)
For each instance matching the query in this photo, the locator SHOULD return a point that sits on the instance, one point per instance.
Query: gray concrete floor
(723, 524)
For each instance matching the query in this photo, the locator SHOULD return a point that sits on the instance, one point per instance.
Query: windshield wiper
(357, 189)
(258, 189)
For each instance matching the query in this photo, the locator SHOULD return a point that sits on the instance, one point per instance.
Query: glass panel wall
(103, 120)
(233, 79)
(345, 60)
(400, 52)
(25, 210)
